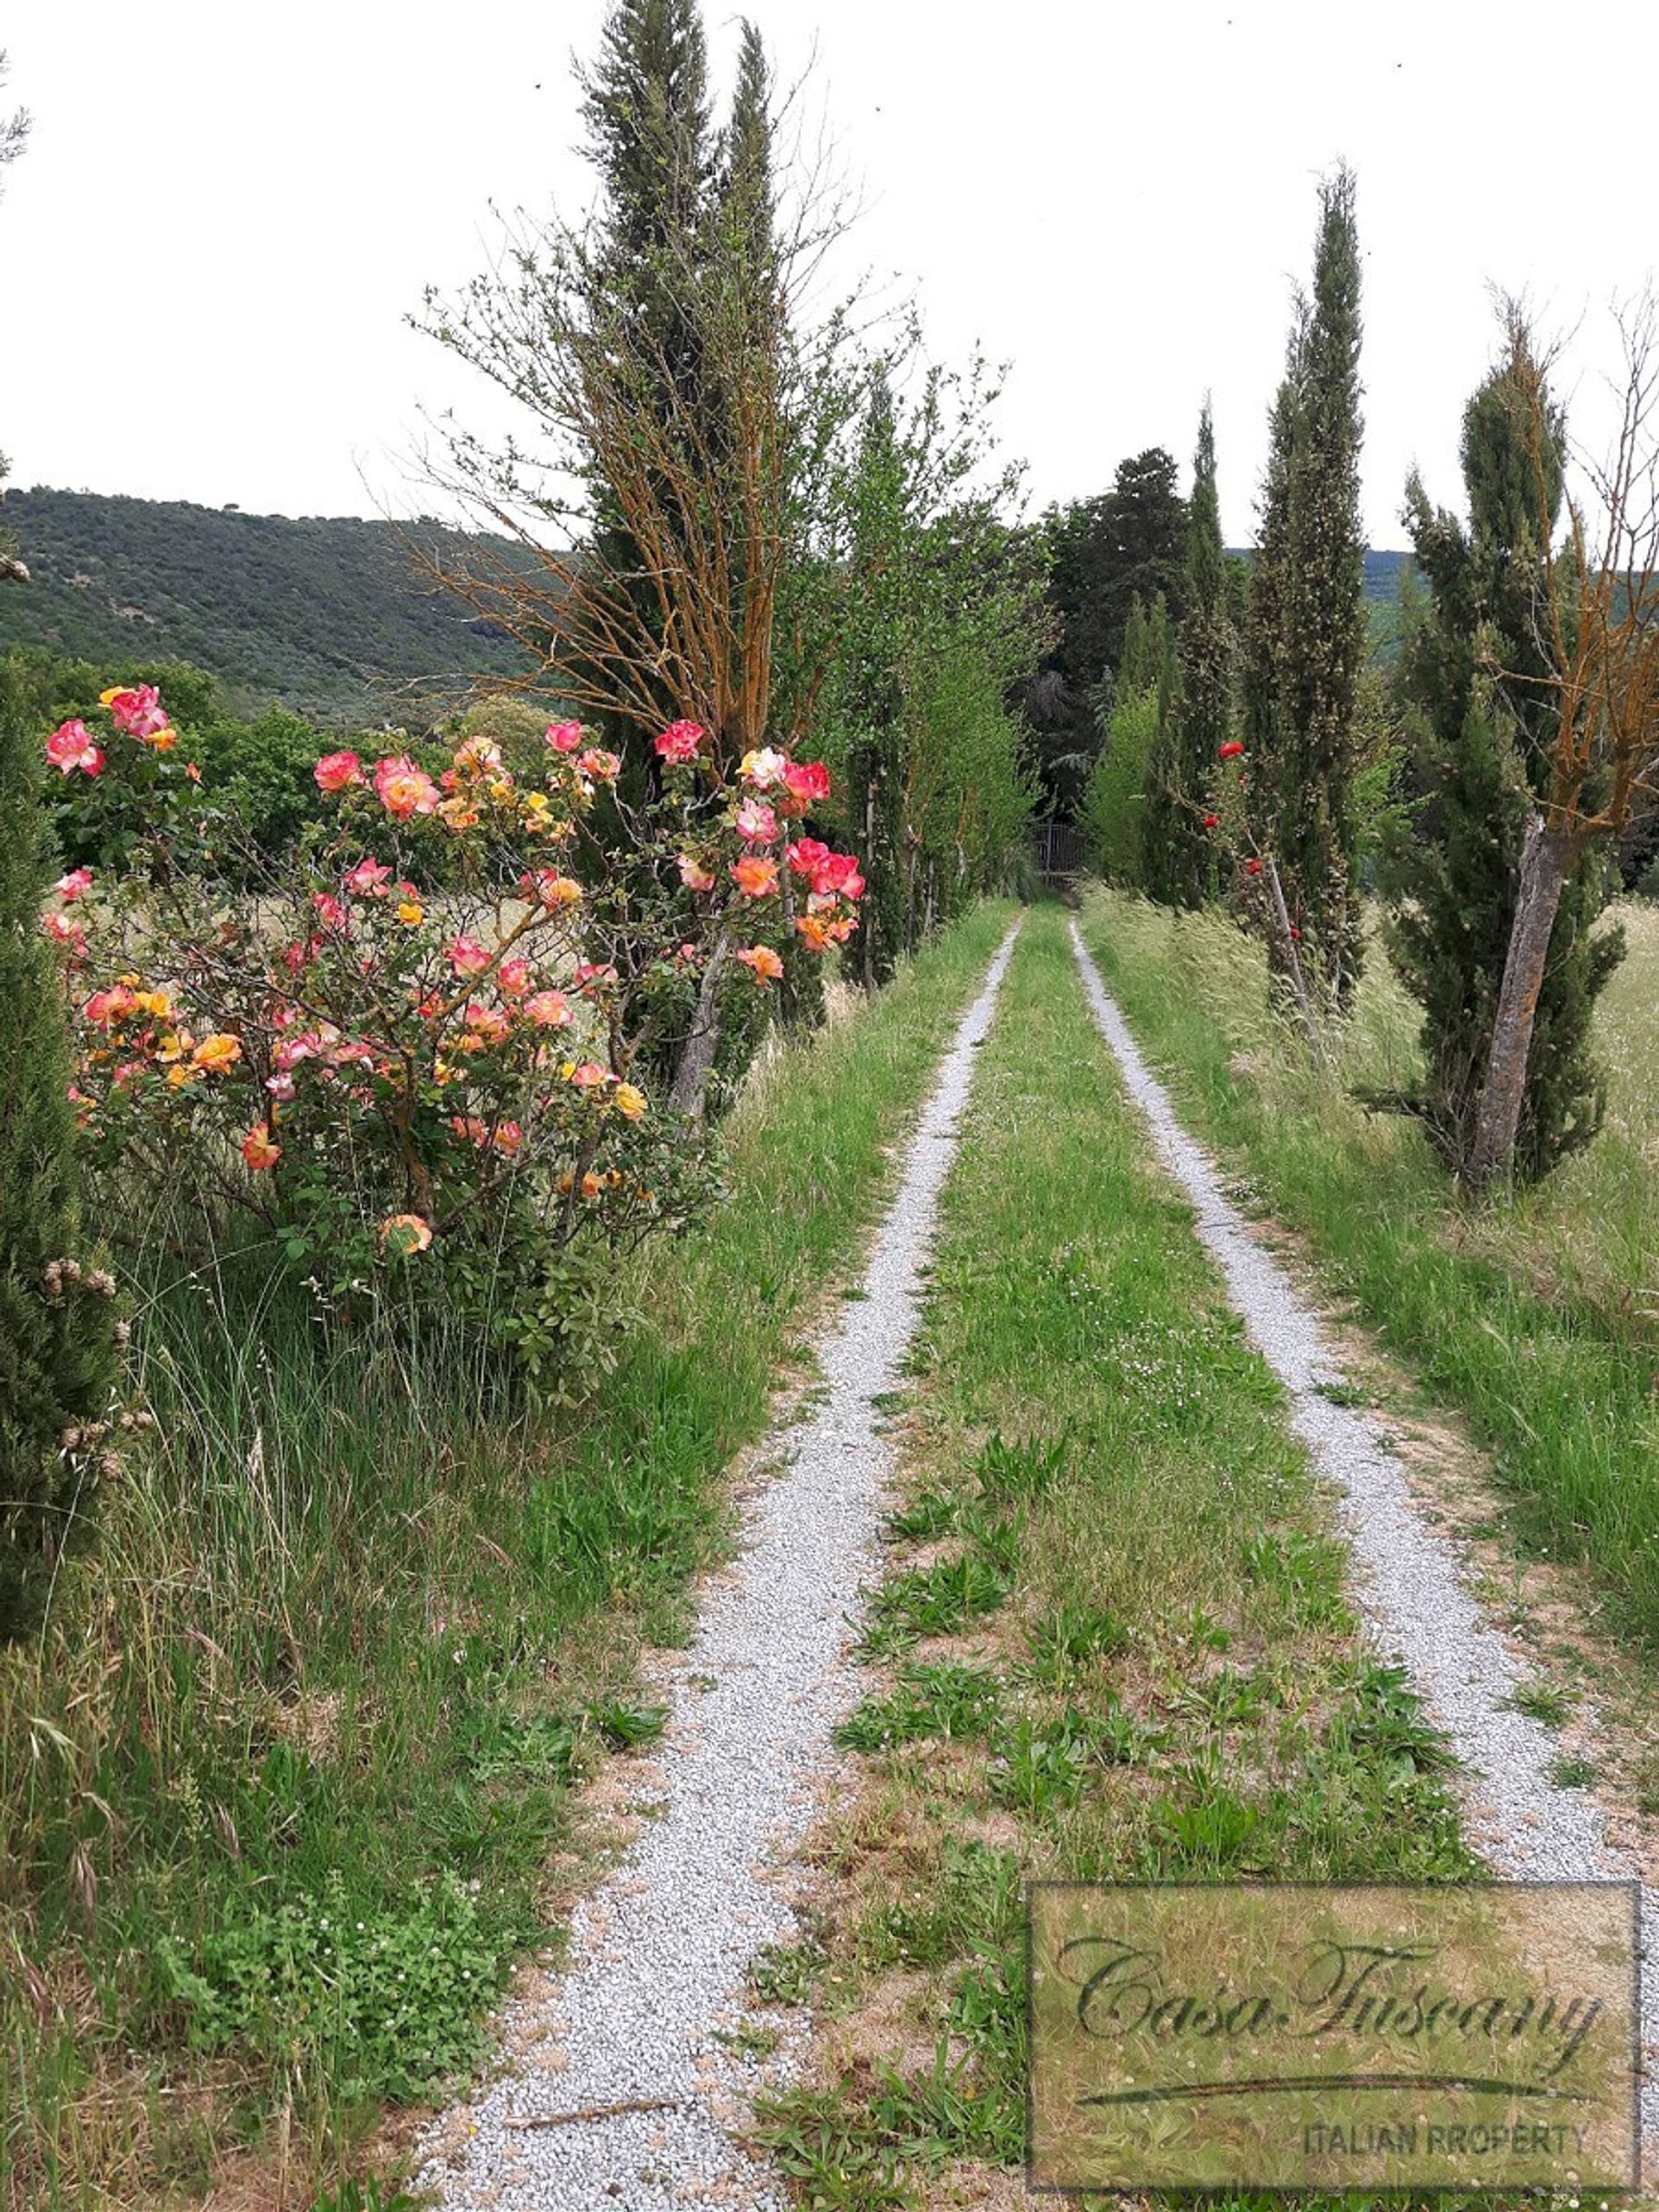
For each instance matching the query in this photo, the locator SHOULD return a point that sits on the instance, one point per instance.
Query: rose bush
(421, 1062)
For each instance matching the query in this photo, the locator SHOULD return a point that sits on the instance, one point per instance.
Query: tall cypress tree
(1306, 780)
(645, 102)
(1178, 849)
(1477, 719)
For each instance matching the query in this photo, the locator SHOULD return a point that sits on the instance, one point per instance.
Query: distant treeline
(324, 617)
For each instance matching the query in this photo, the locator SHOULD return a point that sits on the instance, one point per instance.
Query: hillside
(314, 614)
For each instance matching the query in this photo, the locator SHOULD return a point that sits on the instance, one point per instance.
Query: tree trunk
(702, 1042)
(1547, 857)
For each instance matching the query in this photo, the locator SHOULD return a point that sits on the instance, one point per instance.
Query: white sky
(225, 212)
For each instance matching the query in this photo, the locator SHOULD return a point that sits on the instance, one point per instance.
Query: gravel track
(1406, 1577)
(660, 1952)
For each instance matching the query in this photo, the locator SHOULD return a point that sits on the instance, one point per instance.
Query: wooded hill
(323, 616)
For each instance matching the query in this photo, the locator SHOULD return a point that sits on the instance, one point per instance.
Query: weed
(933, 1601)
(1541, 1701)
(786, 1973)
(941, 1698)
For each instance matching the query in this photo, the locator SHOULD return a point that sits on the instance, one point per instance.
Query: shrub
(56, 1343)
(409, 1058)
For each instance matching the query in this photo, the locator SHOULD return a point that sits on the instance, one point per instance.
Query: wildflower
(564, 737)
(259, 1150)
(592, 972)
(507, 1139)
(764, 769)
(63, 929)
(630, 1101)
(281, 1087)
(813, 931)
(329, 909)
(467, 957)
(601, 766)
(680, 743)
(137, 712)
(755, 877)
(405, 1234)
(1252, 867)
(368, 879)
(410, 912)
(762, 962)
(105, 1008)
(588, 1077)
(807, 855)
(1231, 750)
(481, 755)
(487, 1025)
(807, 779)
(513, 977)
(548, 1009)
(694, 875)
(335, 771)
(403, 789)
(74, 885)
(756, 823)
(550, 889)
(71, 746)
(216, 1054)
(1212, 822)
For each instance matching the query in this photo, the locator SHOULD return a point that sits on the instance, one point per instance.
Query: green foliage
(1180, 865)
(386, 1999)
(56, 1343)
(331, 617)
(942, 1699)
(1115, 800)
(321, 1628)
(933, 1601)
(1103, 554)
(1475, 755)
(1306, 629)
(910, 614)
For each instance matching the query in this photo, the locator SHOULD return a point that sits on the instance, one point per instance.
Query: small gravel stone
(660, 1952)
(1407, 1579)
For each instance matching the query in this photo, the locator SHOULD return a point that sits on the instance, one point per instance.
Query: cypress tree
(56, 1344)
(1305, 779)
(1178, 853)
(645, 102)
(1476, 742)
(875, 691)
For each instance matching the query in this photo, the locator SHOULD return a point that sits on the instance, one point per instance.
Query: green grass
(1539, 1322)
(1173, 1686)
(282, 1784)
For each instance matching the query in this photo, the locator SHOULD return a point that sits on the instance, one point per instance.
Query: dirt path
(1408, 1576)
(622, 2090)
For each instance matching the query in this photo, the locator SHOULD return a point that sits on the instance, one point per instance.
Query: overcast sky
(226, 212)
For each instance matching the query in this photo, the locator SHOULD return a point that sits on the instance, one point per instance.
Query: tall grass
(1538, 1319)
(279, 1786)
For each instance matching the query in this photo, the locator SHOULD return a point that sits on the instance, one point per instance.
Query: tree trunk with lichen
(690, 1090)
(1547, 860)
